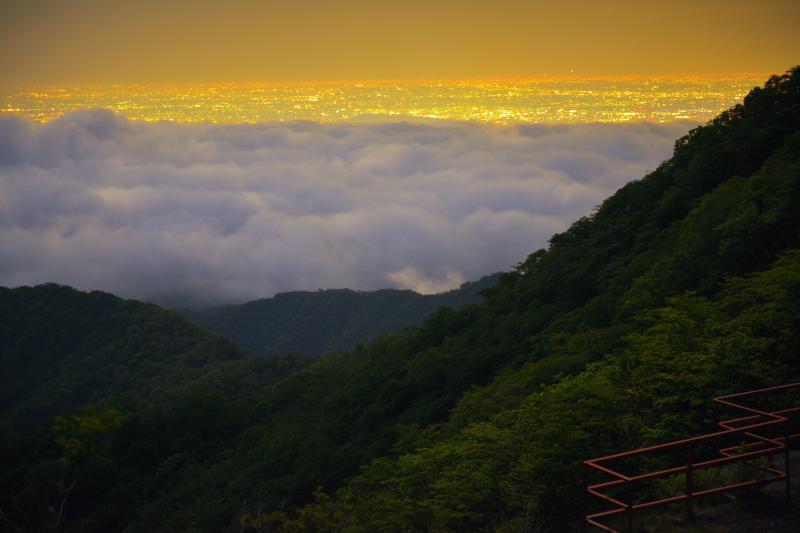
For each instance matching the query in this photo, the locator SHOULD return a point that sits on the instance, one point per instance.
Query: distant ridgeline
(63, 349)
(685, 284)
(322, 321)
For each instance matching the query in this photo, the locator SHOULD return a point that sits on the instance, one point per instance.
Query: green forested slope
(112, 396)
(323, 321)
(61, 349)
(683, 284)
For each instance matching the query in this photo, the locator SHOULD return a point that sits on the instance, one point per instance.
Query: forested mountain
(62, 349)
(327, 320)
(682, 285)
(83, 373)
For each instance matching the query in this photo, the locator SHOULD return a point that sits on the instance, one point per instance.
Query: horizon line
(409, 80)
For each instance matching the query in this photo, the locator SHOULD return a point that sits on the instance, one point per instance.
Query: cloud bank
(208, 214)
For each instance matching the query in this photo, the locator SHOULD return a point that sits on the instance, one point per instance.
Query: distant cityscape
(546, 101)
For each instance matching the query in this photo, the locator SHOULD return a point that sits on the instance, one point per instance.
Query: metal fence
(765, 431)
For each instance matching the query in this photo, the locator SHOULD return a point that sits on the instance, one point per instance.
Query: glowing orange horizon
(549, 101)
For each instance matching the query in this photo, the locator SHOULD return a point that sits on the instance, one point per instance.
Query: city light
(546, 101)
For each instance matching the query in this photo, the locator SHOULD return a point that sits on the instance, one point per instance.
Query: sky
(157, 41)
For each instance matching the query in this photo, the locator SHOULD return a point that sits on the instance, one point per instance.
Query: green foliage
(79, 436)
(106, 400)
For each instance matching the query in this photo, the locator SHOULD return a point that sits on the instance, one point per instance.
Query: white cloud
(409, 277)
(227, 213)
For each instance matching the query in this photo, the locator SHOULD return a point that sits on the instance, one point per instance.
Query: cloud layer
(208, 214)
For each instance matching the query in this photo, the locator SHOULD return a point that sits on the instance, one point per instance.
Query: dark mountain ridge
(63, 349)
(315, 322)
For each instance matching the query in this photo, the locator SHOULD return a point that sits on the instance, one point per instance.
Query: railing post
(629, 500)
(584, 496)
(787, 457)
(689, 482)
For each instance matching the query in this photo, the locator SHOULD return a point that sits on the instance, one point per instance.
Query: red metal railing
(755, 435)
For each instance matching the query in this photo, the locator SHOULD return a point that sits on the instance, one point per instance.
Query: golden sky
(152, 41)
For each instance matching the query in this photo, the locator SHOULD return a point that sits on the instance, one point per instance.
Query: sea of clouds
(206, 214)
